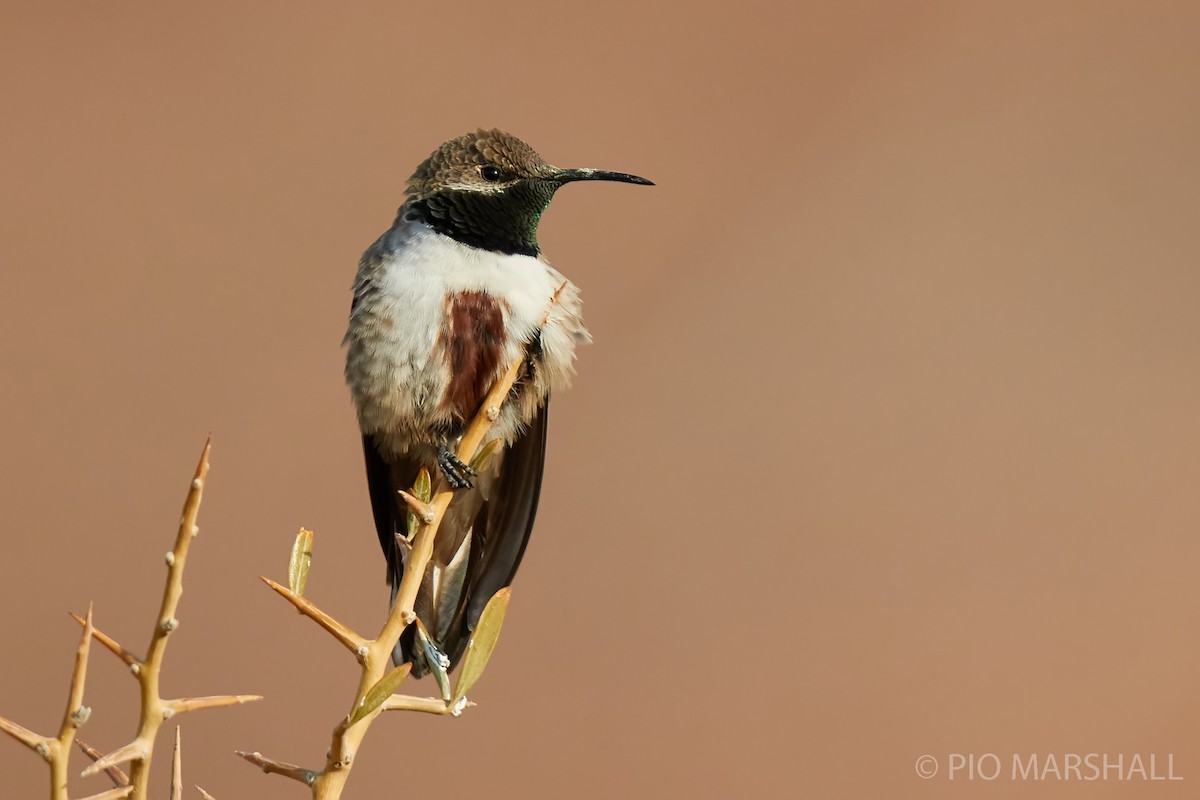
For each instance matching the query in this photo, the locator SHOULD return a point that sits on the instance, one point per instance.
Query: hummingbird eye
(490, 173)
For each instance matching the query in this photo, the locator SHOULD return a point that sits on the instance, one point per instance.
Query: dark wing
(383, 480)
(501, 530)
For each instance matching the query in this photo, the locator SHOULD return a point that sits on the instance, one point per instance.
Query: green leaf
(298, 567)
(482, 643)
(385, 688)
(423, 488)
(423, 491)
(480, 460)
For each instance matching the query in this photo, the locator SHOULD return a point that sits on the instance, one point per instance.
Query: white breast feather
(395, 375)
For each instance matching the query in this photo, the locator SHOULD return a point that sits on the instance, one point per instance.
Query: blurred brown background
(887, 445)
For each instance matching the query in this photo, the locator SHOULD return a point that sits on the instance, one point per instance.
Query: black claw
(454, 469)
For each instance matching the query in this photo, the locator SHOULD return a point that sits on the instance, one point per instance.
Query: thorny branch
(57, 750)
(154, 709)
(147, 671)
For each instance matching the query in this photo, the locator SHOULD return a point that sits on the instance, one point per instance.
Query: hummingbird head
(488, 189)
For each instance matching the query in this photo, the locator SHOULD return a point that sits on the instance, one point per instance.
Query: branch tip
(426, 705)
(112, 794)
(77, 713)
(349, 639)
(22, 734)
(272, 767)
(115, 774)
(422, 509)
(134, 751)
(185, 704)
(177, 766)
(109, 643)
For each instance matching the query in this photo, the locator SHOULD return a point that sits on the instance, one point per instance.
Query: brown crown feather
(459, 160)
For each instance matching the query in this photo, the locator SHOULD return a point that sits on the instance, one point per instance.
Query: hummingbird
(444, 301)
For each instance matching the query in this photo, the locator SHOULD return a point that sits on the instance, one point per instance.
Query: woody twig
(154, 709)
(56, 750)
(377, 680)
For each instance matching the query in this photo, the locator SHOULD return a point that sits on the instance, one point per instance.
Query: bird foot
(455, 470)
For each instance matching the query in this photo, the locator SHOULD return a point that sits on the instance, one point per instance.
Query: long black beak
(568, 175)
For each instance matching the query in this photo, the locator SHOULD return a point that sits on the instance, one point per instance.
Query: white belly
(395, 365)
